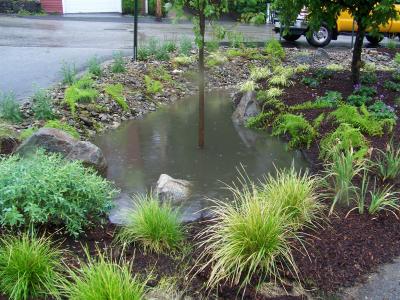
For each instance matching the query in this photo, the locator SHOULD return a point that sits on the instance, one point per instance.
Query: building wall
(52, 6)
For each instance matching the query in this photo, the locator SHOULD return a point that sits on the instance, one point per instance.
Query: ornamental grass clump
(118, 64)
(48, 190)
(155, 226)
(246, 237)
(9, 108)
(296, 192)
(103, 279)
(30, 267)
(388, 162)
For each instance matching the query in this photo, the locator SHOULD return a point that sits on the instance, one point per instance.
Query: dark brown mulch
(390, 52)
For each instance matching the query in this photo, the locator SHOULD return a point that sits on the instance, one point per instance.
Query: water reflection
(165, 142)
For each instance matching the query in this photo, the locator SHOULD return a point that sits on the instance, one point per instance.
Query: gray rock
(90, 155)
(321, 53)
(171, 189)
(57, 141)
(247, 107)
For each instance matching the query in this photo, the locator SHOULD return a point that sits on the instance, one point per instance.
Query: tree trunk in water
(356, 61)
(158, 10)
(202, 21)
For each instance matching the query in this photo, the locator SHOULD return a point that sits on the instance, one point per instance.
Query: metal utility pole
(135, 31)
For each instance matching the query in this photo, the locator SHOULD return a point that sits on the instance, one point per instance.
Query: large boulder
(248, 107)
(171, 189)
(56, 141)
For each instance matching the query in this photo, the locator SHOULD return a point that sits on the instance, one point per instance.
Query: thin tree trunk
(202, 21)
(356, 61)
(158, 10)
(143, 8)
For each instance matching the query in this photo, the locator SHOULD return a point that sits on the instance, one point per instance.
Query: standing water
(165, 142)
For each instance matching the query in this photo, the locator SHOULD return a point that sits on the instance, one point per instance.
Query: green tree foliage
(369, 15)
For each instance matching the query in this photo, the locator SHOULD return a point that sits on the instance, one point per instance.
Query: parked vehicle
(344, 26)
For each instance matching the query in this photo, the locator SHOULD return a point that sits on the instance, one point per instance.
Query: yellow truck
(344, 26)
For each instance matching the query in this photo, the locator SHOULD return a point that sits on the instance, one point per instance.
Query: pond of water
(165, 142)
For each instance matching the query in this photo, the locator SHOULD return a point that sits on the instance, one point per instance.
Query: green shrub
(247, 236)
(103, 279)
(215, 59)
(152, 86)
(115, 91)
(381, 111)
(9, 108)
(68, 73)
(182, 60)
(397, 58)
(42, 105)
(296, 193)
(323, 73)
(185, 46)
(57, 124)
(299, 129)
(340, 172)
(392, 86)
(143, 53)
(365, 91)
(248, 86)
(79, 93)
(388, 162)
(334, 67)
(94, 66)
(212, 46)
(170, 46)
(30, 267)
(154, 225)
(253, 18)
(274, 48)
(368, 78)
(236, 39)
(311, 82)
(331, 99)
(343, 139)
(46, 189)
(361, 119)
(358, 100)
(396, 76)
(118, 64)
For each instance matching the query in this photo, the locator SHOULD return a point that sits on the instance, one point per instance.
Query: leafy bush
(323, 73)
(68, 72)
(296, 193)
(331, 99)
(9, 108)
(118, 64)
(361, 119)
(46, 189)
(253, 18)
(30, 267)
(340, 172)
(388, 162)
(365, 91)
(334, 67)
(94, 66)
(299, 129)
(115, 91)
(392, 86)
(358, 100)
(152, 86)
(343, 139)
(274, 48)
(154, 225)
(42, 105)
(102, 280)
(182, 60)
(368, 78)
(381, 111)
(57, 124)
(396, 76)
(162, 54)
(185, 46)
(81, 91)
(311, 82)
(170, 46)
(215, 59)
(236, 39)
(247, 236)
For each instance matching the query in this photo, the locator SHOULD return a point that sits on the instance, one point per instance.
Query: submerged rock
(57, 141)
(248, 107)
(175, 190)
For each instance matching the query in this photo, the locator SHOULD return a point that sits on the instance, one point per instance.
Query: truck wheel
(291, 37)
(320, 38)
(374, 40)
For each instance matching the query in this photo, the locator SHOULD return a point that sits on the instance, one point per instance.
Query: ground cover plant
(46, 189)
(42, 105)
(9, 108)
(30, 267)
(115, 91)
(156, 226)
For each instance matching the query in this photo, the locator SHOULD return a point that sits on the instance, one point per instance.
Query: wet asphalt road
(32, 49)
